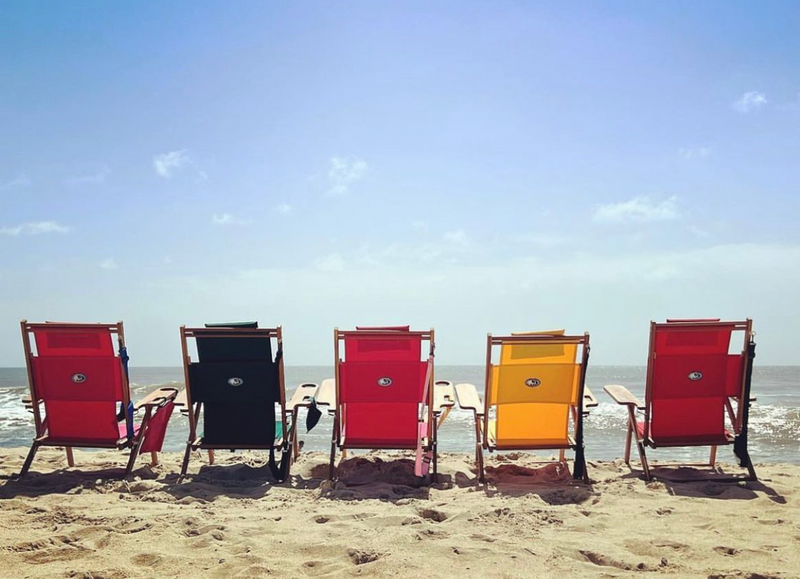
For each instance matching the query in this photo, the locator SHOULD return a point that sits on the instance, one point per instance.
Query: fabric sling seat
(235, 386)
(535, 397)
(697, 393)
(80, 396)
(383, 394)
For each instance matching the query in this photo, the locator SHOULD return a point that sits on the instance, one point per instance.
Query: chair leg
(628, 438)
(643, 457)
(712, 457)
(185, 464)
(29, 459)
(479, 461)
(70, 457)
(331, 467)
(134, 455)
(210, 456)
(154, 458)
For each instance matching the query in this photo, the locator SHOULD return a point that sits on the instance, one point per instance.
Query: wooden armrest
(589, 400)
(326, 393)
(157, 397)
(180, 400)
(622, 395)
(303, 397)
(443, 395)
(468, 398)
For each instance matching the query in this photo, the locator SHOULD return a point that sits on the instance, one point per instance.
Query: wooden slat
(303, 396)
(468, 398)
(326, 394)
(443, 395)
(622, 395)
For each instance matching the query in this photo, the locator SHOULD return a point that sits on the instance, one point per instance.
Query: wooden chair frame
(193, 409)
(152, 401)
(331, 396)
(738, 417)
(468, 400)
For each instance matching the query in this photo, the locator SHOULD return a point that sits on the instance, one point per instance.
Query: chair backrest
(691, 375)
(538, 379)
(237, 381)
(382, 374)
(77, 374)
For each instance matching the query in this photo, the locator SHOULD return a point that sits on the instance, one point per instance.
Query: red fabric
(95, 421)
(157, 428)
(57, 341)
(61, 378)
(404, 347)
(122, 427)
(382, 382)
(735, 378)
(381, 424)
(683, 438)
(689, 383)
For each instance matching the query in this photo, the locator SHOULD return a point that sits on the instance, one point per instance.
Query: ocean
(774, 419)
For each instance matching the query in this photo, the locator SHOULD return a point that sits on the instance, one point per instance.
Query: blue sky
(475, 167)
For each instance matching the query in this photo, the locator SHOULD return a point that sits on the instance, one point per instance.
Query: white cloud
(35, 228)
(331, 262)
(750, 101)
(457, 237)
(284, 208)
(108, 263)
(419, 225)
(638, 209)
(343, 172)
(20, 180)
(167, 163)
(92, 179)
(689, 153)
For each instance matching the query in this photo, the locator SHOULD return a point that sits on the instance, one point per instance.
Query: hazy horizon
(468, 166)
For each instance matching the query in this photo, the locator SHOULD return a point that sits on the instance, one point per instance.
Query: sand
(228, 520)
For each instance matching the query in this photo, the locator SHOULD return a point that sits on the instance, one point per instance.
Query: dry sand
(228, 520)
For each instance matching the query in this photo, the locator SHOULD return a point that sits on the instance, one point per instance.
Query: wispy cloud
(457, 237)
(284, 208)
(330, 262)
(750, 101)
(227, 219)
(167, 164)
(91, 179)
(108, 263)
(202, 177)
(343, 172)
(35, 228)
(690, 153)
(20, 180)
(638, 209)
(419, 225)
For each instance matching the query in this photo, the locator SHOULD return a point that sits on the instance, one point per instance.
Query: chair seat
(697, 440)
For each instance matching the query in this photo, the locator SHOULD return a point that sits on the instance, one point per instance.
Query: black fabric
(234, 348)
(280, 471)
(239, 425)
(237, 382)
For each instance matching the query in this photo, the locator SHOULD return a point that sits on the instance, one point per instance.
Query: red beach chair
(80, 395)
(383, 394)
(693, 383)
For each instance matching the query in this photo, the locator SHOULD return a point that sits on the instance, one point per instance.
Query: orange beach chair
(532, 396)
(79, 392)
(692, 384)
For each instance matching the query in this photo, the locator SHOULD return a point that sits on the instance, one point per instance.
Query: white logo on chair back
(695, 376)
(384, 381)
(235, 381)
(78, 378)
(533, 382)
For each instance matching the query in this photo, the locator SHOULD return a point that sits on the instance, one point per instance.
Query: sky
(469, 166)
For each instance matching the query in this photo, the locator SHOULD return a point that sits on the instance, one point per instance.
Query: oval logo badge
(695, 376)
(235, 381)
(533, 382)
(384, 381)
(78, 378)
